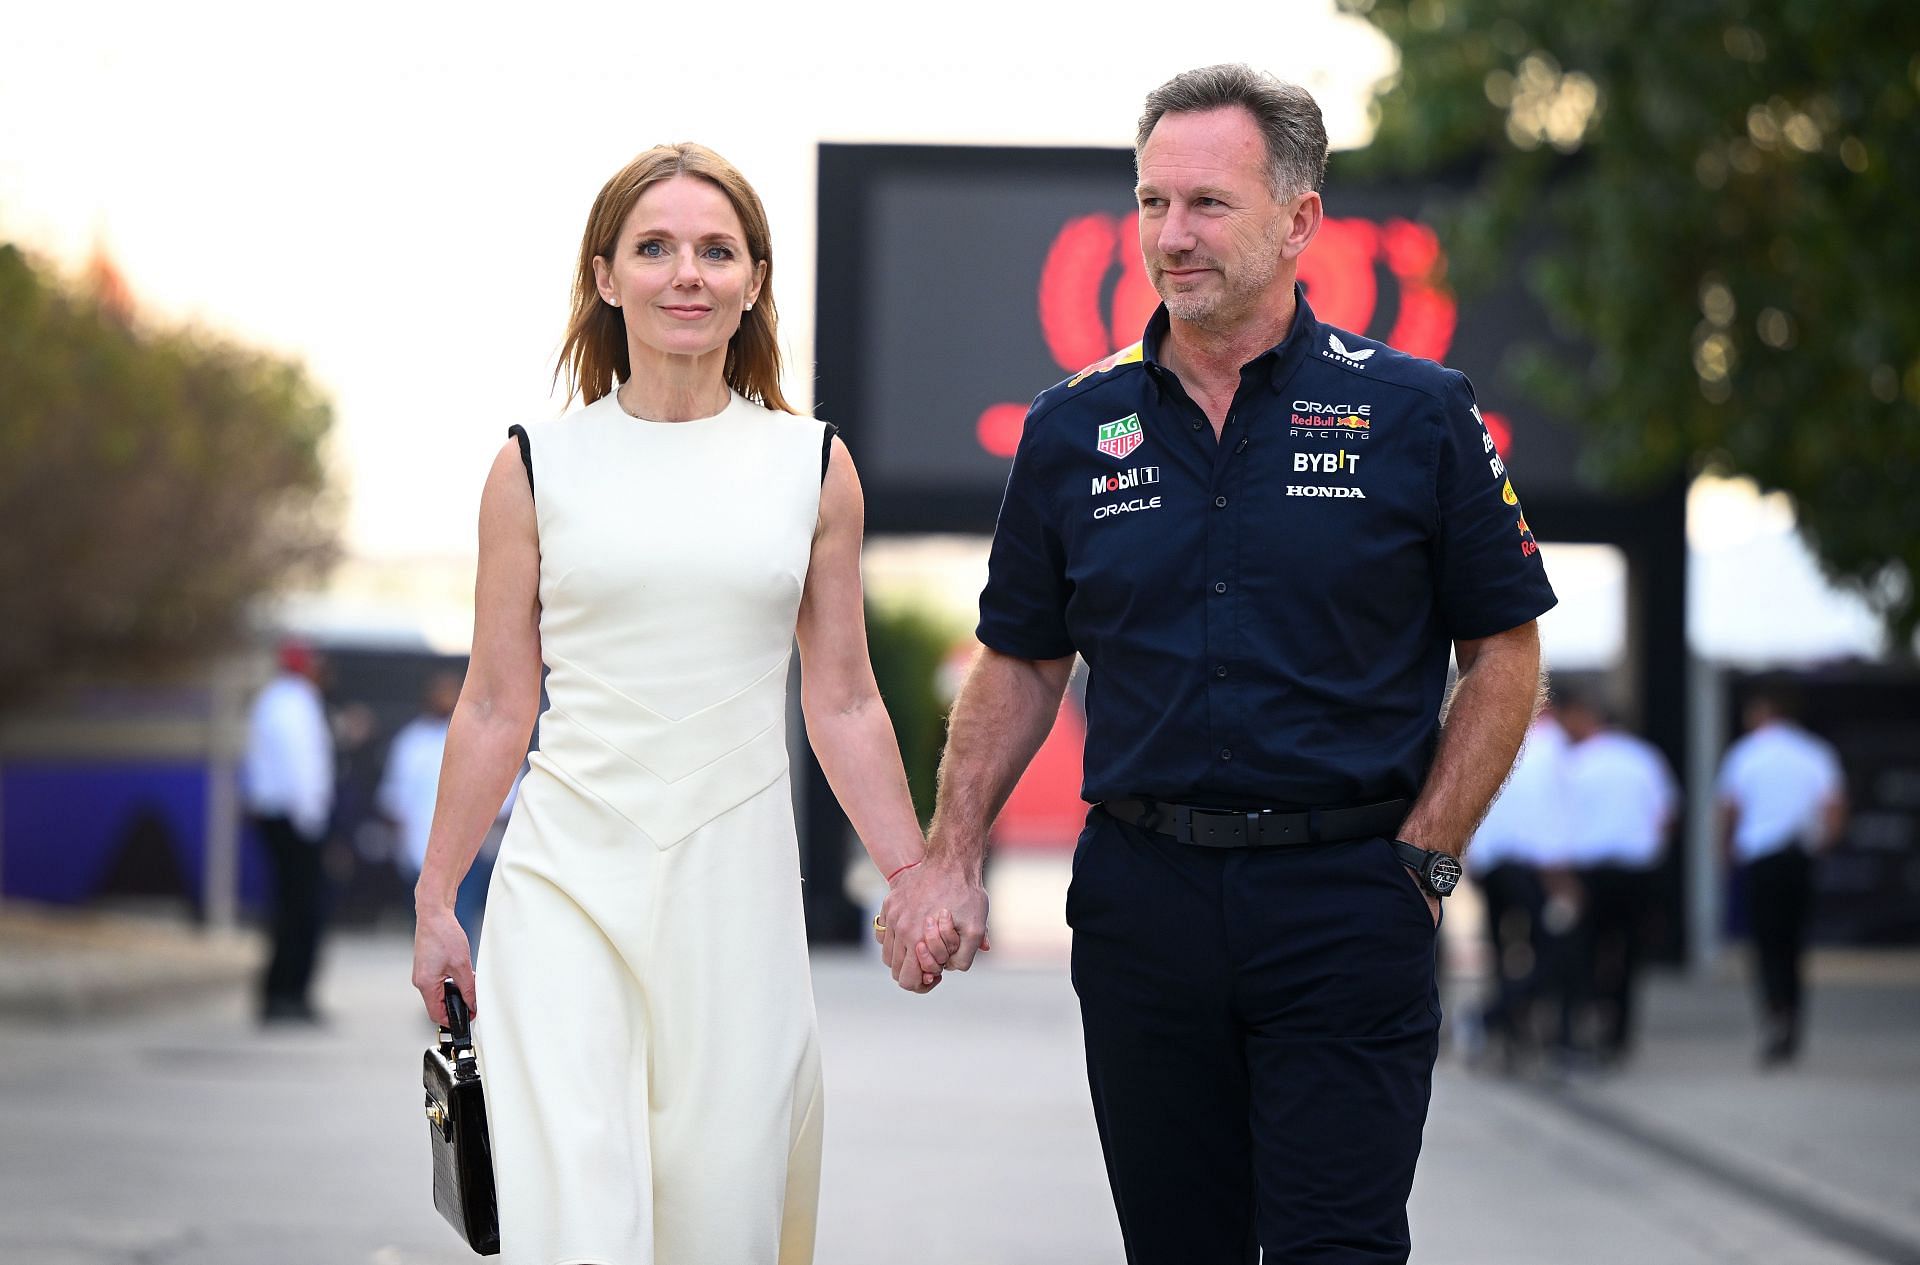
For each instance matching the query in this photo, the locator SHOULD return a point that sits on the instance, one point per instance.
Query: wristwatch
(1439, 872)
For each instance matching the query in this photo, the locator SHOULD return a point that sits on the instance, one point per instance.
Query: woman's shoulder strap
(826, 448)
(526, 453)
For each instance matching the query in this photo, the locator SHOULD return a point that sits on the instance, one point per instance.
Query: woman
(645, 1016)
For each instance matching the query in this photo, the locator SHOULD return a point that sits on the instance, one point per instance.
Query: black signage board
(956, 283)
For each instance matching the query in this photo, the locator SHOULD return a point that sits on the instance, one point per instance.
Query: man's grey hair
(1287, 115)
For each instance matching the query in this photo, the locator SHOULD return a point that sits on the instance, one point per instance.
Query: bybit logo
(1339, 461)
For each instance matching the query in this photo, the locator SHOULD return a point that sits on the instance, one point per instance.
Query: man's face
(1212, 234)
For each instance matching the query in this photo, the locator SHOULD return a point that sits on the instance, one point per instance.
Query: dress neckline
(612, 401)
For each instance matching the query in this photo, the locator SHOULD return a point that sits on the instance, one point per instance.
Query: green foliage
(152, 482)
(1724, 188)
(909, 650)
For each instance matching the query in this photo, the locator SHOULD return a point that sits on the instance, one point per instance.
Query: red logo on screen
(1094, 296)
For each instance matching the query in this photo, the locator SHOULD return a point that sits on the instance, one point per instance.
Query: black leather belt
(1260, 828)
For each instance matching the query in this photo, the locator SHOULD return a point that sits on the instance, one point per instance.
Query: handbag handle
(459, 1029)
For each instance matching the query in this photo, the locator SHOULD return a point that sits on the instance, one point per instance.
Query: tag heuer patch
(1117, 439)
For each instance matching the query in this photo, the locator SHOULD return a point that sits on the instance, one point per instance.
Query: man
(1263, 535)
(1782, 798)
(411, 779)
(1622, 800)
(411, 783)
(1521, 835)
(288, 777)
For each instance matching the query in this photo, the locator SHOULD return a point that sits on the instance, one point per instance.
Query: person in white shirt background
(288, 785)
(1782, 799)
(1521, 833)
(408, 787)
(1622, 803)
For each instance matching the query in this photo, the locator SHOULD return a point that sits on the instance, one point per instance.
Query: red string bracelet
(903, 869)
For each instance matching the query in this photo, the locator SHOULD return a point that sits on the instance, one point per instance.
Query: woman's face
(679, 271)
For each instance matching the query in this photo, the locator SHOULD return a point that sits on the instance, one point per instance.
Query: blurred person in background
(645, 1010)
(288, 787)
(412, 773)
(1523, 830)
(407, 789)
(1622, 803)
(1783, 799)
(1278, 808)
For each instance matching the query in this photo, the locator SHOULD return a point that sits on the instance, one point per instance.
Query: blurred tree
(909, 648)
(1721, 184)
(152, 482)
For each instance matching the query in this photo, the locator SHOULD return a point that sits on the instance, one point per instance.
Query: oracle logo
(1094, 296)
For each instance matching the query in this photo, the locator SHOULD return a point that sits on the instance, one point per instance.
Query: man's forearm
(1004, 712)
(1495, 700)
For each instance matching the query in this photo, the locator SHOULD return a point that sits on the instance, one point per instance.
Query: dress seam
(637, 762)
(785, 664)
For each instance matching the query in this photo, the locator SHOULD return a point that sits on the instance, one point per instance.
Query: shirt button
(1221, 670)
(1220, 587)
(1195, 425)
(1225, 754)
(1220, 502)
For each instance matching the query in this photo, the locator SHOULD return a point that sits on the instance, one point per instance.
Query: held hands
(440, 952)
(934, 920)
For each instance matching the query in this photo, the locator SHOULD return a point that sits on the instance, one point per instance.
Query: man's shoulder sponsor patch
(1337, 351)
(1125, 356)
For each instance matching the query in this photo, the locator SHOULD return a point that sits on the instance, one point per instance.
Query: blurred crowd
(296, 787)
(1570, 858)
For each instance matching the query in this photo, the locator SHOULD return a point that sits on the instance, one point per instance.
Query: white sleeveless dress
(646, 1023)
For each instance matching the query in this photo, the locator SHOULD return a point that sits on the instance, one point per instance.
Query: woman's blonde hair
(594, 356)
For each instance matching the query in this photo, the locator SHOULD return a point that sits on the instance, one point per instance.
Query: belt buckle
(1212, 828)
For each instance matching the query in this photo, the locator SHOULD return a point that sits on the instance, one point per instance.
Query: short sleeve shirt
(1780, 778)
(1266, 617)
(1527, 821)
(1621, 797)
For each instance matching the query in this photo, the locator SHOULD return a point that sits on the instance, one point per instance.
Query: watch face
(1443, 873)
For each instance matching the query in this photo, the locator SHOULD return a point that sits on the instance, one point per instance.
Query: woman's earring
(748, 308)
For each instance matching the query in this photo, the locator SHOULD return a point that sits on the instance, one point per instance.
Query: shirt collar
(1281, 359)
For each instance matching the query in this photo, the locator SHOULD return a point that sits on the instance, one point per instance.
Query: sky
(394, 195)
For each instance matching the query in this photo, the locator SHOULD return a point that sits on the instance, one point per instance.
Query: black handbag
(457, 1127)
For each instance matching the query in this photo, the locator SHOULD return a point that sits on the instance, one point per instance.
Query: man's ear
(1303, 227)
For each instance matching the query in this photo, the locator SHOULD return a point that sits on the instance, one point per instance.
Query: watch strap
(1420, 861)
(1412, 856)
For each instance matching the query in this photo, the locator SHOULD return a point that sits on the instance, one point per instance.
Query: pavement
(71, 964)
(144, 1118)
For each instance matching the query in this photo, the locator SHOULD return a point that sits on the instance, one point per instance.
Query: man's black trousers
(1261, 1028)
(1513, 899)
(1607, 948)
(298, 881)
(1779, 906)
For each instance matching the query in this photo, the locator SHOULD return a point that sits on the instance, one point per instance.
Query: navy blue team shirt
(1266, 618)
